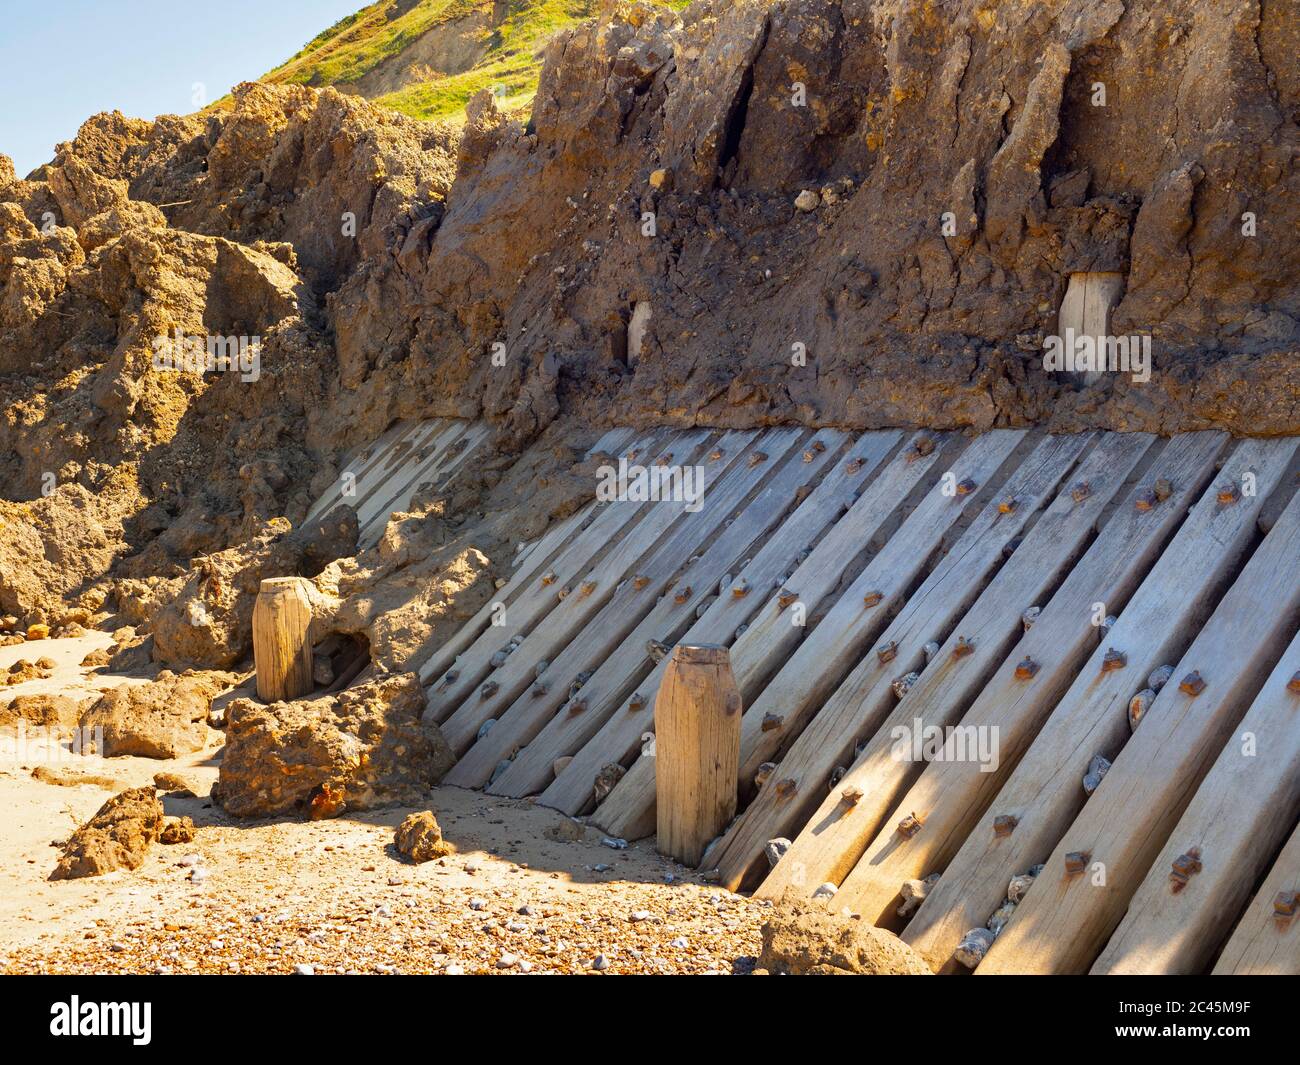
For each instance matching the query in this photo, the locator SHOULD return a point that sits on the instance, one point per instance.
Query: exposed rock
(177, 830)
(43, 710)
(420, 838)
(354, 750)
(165, 718)
(799, 939)
(117, 837)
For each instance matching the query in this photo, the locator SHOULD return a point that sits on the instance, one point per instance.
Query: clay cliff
(695, 198)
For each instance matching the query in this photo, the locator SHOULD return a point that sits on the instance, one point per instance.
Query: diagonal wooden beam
(1266, 941)
(1223, 842)
(953, 789)
(1067, 917)
(829, 845)
(839, 492)
(1044, 792)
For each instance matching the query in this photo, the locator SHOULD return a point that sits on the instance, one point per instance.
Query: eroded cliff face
(637, 254)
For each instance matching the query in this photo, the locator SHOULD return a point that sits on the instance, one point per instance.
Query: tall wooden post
(281, 647)
(697, 750)
(1089, 299)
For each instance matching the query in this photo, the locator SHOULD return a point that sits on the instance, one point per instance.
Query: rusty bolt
(1004, 825)
(666, 459)
(1293, 685)
(1077, 861)
(587, 587)
(813, 451)
(577, 706)
(853, 465)
(772, 722)
(924, 446)
(1163, 488)
(1185, 866)
(716, 454)
(785, 598)
(851, 795)
(1113, 660)
(682, 594)
(785, 788)
(966, 486)
(488, 690)
(1285, 902)
(1008, 505)
(756, 458)
(1081, 491)
(872, 598)
(1192, 684)
(909, 826)
(888, 652)
(637, 702)
(1028, 618)
(1146, 500)
(964, 646)
(640, 581)
(764, 773)
(904, 684)
(563, 593)
(549, 577)
(1026, 669)
(740, 589)
(538, 690)
(1228, 494)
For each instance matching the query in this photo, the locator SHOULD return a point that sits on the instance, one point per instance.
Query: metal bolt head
(740, 589)
(1077, 861)
(757, 458)
(1293, 685)
(785, 788)
(1163, 488)
(785, 598)
(873, 598)
(682, 594)
(1004, 825)
(1113, 660)
(716, 454)
(966, 486)
(853, 465)
(1192, 684)
(888, 652)
(549, 578)
(1026, 669)
(1146, 500)
(587, 587)
(850, 796)
(640, 581)
(1081, 491)
(924, 446)
(637, 702)
(964, 647)
(1227, 494)
(1285, 903)
(1008, 505)
(488, 690)
(577, 706)
(909, 826)
(772, 722)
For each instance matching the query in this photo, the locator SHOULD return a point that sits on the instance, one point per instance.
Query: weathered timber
(281, 643)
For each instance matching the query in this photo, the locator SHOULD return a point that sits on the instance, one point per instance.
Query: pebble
(478, 904)
(600, 962)
(304, 970)
(826, 891)
(615, 844)
(640, 915)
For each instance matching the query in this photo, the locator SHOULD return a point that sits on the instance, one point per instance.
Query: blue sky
(62, 61)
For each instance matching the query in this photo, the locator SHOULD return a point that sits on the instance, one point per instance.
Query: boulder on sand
(803, 940)
(165, 718)
(356, 749)
(117, 837)
(419, 837)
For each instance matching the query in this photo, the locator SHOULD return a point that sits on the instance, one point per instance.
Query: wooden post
(281, 648)
(697, 749)
(1086, 308)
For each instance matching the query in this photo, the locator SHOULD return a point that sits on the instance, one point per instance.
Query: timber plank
(865, 706)
(362, 461)
(780, 625)
(1065, 920)
(619, 737)
(668, 534)
(1263, 943)
(952, 791)
(612, 678)
(1236, 822)
(374, 505)
(461, 670)
(1044, 792)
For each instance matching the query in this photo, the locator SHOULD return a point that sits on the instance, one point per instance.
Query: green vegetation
(510, 60)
